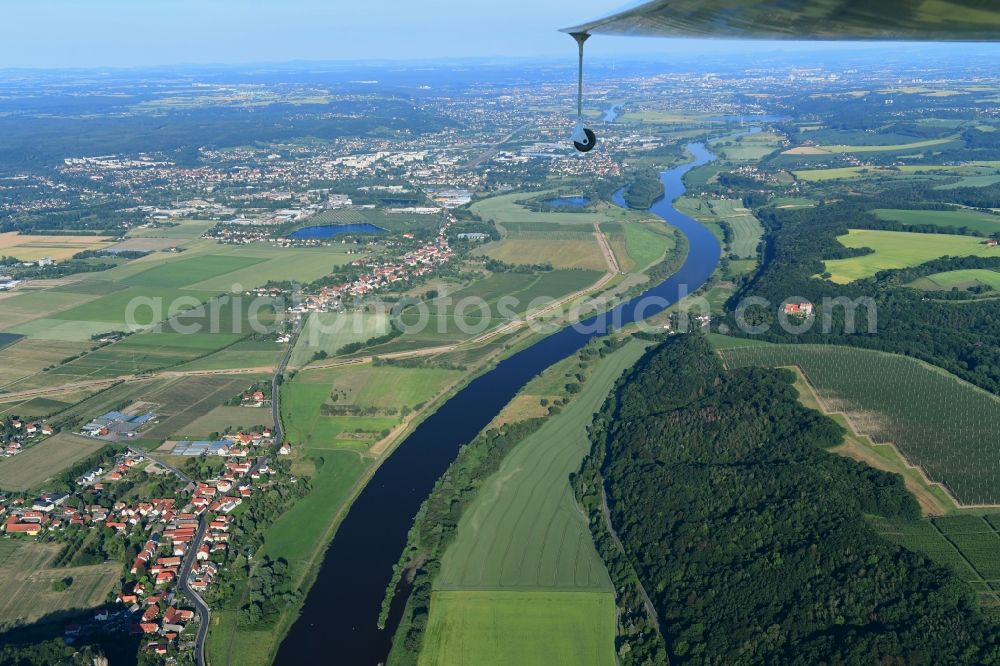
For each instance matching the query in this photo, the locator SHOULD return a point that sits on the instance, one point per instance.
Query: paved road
(203, 610)
(184, 585)
(180, 475)
(276, 380)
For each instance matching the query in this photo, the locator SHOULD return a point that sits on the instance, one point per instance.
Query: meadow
(299, 536)
(329, 331)
(745, 229)
(26, 358)
(900, 249)
(42, 461)
(747, 147)
(895, 148)
(247, 353)
(448, 315)
(646, 243)
(956, 219)
(504, 210)
(524, 530)
(937, 422)
(373, 389)
(26, 578)
(223, 417)
(185, 272)
(491, 628)
(959, 279)
(182, 230)
(581, 251)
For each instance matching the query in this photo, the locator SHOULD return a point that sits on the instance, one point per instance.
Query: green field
(378, 388)
(186, 272)
(524, 628)
(960, 279)
(183, 230)
(971, 181)
(329, 331)
(647, 243)
(299, 536)
(540, 248)
(747, 232)
(478, 307)
(745, 229)
(276, 263)
(44, 460)
(747, 147)
(524, 530)
(243, 354)
(971, 174)
(938, 422)
(900, 249)
(149, 305)
(957, 219)
(505, 211)
(895, 148)
(224, 417)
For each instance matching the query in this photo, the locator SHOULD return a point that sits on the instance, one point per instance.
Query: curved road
(184, 584)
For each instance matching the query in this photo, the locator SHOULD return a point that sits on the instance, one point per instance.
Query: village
(180, 540)
(380, 274)
(17, 434)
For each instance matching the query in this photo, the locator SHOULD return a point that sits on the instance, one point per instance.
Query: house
(165, 577)
(12, 526)
(803, 309)
(285, 449)
(993, 242)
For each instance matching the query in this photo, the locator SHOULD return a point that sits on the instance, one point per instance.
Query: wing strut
(583, 138)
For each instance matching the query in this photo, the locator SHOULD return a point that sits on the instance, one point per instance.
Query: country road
(650, 610)
(109, 381)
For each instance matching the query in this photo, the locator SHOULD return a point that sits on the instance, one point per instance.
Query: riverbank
(511, 486)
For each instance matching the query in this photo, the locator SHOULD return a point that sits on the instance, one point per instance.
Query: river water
(338, 621)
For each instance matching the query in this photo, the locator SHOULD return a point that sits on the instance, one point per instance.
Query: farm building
(116, 425)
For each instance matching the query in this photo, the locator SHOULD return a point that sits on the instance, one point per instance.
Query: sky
(139, 33)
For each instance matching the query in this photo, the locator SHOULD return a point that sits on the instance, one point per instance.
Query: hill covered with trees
(751, 539)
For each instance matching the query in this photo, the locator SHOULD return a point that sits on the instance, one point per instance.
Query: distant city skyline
(122, 33)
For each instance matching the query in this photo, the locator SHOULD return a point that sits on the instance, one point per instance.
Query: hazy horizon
(61, 34)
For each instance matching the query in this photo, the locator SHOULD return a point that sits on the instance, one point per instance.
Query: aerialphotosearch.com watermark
(361, 319)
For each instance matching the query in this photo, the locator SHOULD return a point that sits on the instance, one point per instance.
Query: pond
(567, 202)
(331, 230)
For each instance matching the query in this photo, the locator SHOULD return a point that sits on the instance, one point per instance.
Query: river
(338, 621)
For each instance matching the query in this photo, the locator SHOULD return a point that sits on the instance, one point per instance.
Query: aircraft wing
(916, 20)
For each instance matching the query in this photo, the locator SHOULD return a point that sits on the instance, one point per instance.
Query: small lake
(567, 202)
(331, 230)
